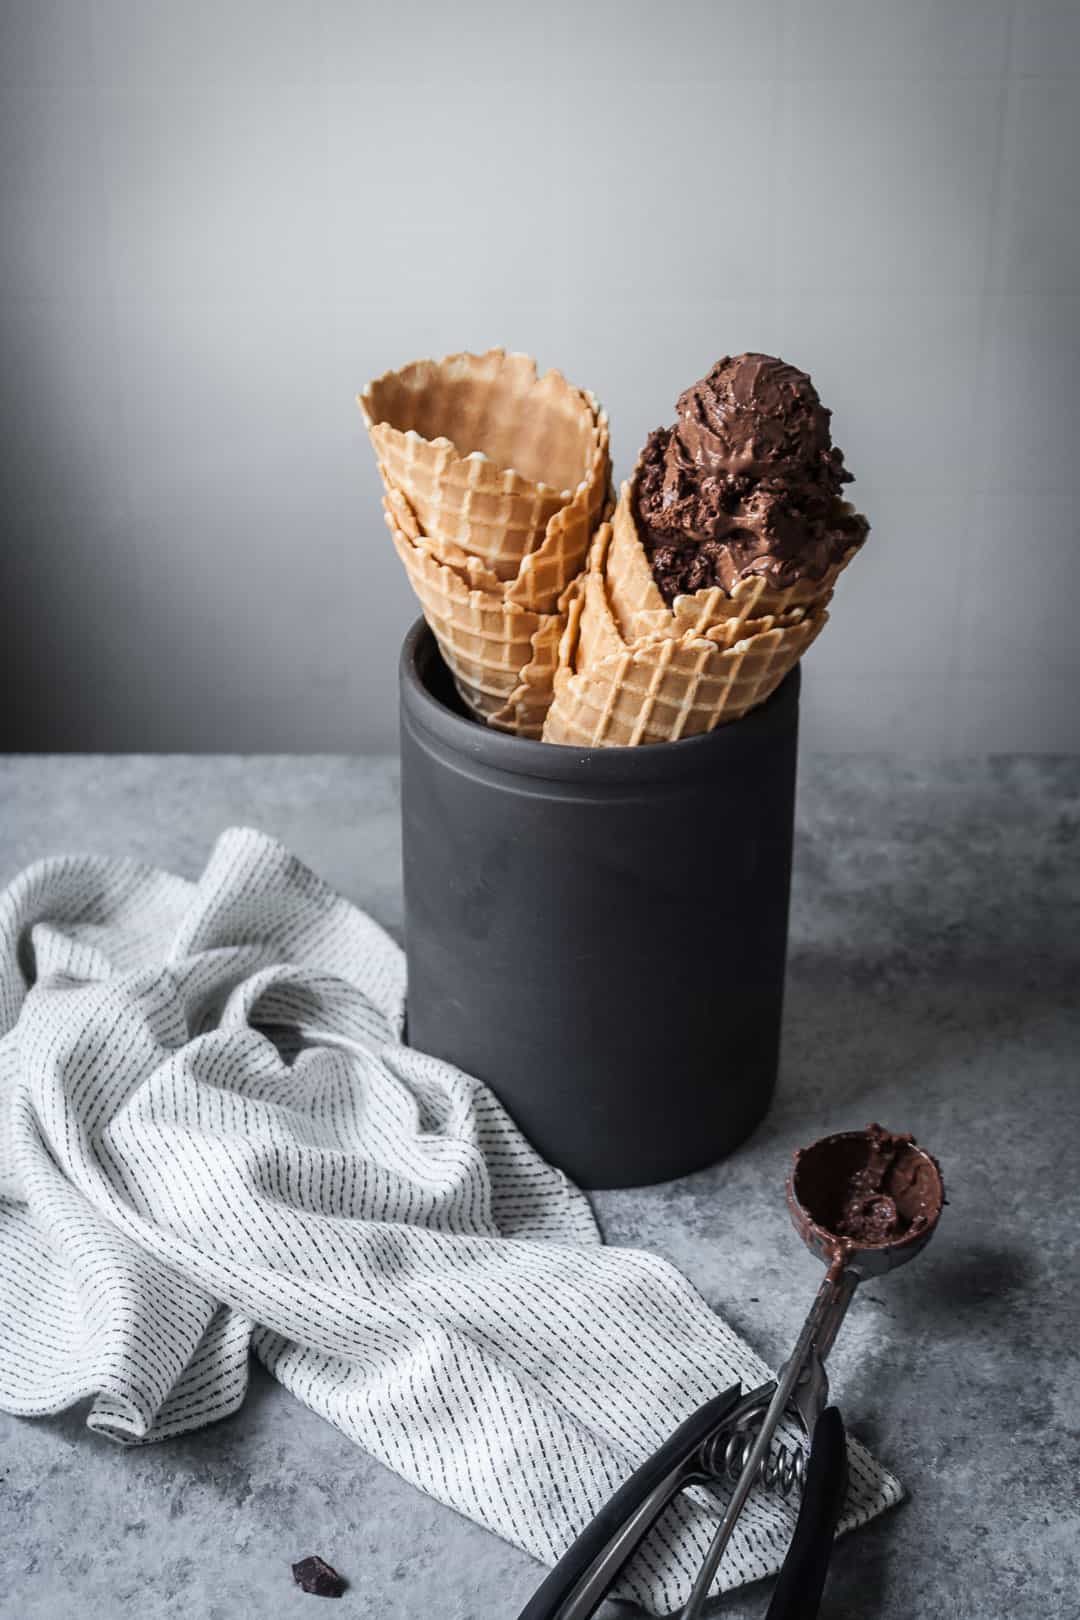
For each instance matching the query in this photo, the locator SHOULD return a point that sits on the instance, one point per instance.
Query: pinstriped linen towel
(212, 1141)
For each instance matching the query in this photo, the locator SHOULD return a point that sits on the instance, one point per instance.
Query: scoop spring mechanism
(783, 1469)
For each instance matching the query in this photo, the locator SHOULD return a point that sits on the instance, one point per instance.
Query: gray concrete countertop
(935, 959)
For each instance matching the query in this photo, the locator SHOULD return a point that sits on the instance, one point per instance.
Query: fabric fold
(212, 1140)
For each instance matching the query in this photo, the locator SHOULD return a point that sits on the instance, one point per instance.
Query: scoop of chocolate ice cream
(747, 481)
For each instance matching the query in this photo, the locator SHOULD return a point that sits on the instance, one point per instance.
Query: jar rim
(421, 665)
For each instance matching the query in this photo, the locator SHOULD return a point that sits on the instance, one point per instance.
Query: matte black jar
(600, 934)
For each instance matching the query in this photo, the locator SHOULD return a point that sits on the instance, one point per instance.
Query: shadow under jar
(600, 934)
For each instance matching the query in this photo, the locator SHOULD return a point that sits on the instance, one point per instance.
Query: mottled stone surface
(934, 970)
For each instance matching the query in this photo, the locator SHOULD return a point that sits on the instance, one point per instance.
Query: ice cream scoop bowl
(909, 1181)
(910, 1197)
(889, 1193)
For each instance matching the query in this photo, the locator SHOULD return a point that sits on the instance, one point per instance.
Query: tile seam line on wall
(195, 302)
(204, 86)
(651, 81)
(915, 78)
(983, 488)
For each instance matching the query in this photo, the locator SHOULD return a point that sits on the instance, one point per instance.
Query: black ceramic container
(600, 934)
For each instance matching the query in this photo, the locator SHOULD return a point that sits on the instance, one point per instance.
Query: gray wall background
(218, 218)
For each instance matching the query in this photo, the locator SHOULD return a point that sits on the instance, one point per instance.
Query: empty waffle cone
(641, 611)
(610, 692)
(487, 454)
(545, 573)
(502, 656)
(495, 481)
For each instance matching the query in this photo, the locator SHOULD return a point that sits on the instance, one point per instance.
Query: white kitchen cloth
(212, 1140)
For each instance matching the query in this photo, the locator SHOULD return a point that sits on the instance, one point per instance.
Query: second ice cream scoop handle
(797, 1594)
(585, 1573)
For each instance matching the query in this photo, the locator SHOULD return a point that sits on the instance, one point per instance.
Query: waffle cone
(495, 480)
(609, 691)
(488, 454)
(502, 656)
(641, 611)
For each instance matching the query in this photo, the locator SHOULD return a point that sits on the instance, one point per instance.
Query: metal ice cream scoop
(864, 1202)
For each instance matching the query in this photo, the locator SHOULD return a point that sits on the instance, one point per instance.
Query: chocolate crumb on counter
(315, 1575)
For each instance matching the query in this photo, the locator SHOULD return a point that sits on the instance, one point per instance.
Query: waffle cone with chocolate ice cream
(717, 571)
(496, 479)
(612, 691)
(642, 613)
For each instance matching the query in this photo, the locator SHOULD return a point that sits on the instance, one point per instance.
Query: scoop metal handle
(801, 1381)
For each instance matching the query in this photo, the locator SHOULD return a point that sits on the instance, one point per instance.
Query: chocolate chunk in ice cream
(746, 481)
